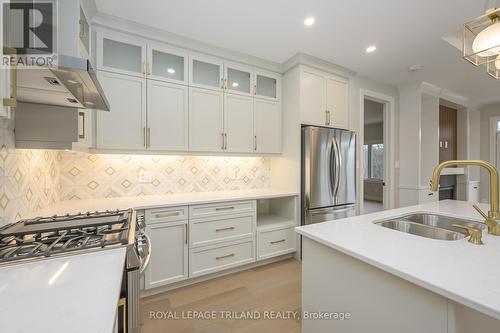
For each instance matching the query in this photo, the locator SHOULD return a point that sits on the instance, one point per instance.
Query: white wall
(486, 113)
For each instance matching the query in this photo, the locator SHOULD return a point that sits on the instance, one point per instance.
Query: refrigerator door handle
(333, 168)
(338, 167)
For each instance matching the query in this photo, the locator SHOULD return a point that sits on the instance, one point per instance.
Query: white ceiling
(406, 33)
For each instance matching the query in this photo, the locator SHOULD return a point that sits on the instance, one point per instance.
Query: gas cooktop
(59, 234)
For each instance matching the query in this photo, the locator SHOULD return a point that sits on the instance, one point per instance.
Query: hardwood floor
(265, 290)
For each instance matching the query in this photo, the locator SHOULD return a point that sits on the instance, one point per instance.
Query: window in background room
(373, 167)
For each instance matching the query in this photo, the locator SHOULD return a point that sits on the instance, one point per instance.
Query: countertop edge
(419, 282)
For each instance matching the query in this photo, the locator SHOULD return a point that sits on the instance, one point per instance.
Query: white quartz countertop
(465, 273)
(76, 293)
(153, 201)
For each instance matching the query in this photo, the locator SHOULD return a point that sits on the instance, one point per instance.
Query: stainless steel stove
(49, 236)
(45, 237)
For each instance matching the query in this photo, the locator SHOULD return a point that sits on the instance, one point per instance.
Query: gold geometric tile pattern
(101, 176)
(32, 179)
(29, 179)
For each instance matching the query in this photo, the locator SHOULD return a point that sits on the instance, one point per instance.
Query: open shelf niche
(277, 213)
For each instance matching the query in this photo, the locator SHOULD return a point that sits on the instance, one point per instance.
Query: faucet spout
(493, 217)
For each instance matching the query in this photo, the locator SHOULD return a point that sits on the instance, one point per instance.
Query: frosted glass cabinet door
(205, 72)
(239, 79)
(167, 64)
(120, 54)
(267, 85)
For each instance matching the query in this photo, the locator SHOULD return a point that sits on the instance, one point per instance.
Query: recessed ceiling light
(309, 21)
(371, 49)
(171, 70)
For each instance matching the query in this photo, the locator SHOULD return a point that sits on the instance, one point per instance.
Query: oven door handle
(145, 263)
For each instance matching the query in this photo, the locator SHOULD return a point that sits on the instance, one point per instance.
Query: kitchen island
(382, 280)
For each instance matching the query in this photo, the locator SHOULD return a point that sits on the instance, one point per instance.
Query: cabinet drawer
(217, 229)
(204, 261)
(224, 208)
(275, 242)
(166, 214)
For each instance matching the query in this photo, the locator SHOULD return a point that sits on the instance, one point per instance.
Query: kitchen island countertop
(458, 270)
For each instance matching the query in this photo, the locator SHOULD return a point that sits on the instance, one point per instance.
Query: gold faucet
(493, 216)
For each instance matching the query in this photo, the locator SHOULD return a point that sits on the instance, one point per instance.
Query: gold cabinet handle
(123, 303)
(278, 241)
(225, 257)
(169, 214)
(223, 141)
(224, 208)
(328, 117)
(145, 137)
(82, 28)
(255, 89)
(12, 100)
(224, 229)
(148, 137)
(255, 142)
(475, 234)
(222, 83)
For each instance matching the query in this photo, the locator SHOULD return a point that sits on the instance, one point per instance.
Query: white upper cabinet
(267, 126)
(206, 72)
(337, 96)
(121, 54)
(238, 123)
(167, 116)
(206, 112)
(267, 85)
(238, 79)
(124, 127)
(324, 99)
(313, 98)
(167, 64)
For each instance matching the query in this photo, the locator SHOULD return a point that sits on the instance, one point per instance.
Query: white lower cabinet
(167, 116)
(219, 229)
(272, 243)
(169, 253)
(206, 109)
(205, 260)
(238, 123)
(267, 126)
(125, 125)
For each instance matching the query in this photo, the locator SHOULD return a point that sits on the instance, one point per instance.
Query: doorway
(373, 151)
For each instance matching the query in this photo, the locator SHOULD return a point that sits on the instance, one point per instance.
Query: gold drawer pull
(224, 208)
(279, 241)
(224, 229)
(224, 257)
(170, 214)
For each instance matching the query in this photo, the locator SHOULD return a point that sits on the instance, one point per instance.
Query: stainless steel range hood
(71, 83)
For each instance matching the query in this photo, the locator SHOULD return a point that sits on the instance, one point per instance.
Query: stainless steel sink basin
(431, 226)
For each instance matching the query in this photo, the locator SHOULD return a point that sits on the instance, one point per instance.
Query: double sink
(431, 226)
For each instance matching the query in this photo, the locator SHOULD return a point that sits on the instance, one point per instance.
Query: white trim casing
(389, 109)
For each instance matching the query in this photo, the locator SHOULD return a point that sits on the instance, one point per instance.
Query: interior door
(317, 163)
(345, 159)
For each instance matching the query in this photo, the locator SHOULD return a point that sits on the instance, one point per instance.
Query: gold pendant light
(481, 42)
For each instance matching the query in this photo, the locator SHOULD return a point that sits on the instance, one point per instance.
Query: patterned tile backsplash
(32, 179)
(85, 176)
(29, 179)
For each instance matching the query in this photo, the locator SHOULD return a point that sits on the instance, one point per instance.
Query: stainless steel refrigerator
(328, 174)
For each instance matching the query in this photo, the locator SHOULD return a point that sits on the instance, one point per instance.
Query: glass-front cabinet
(238, 79)
(206, 72)
(84, 33)
(267, 85)
(121, 54)
(167, 64)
